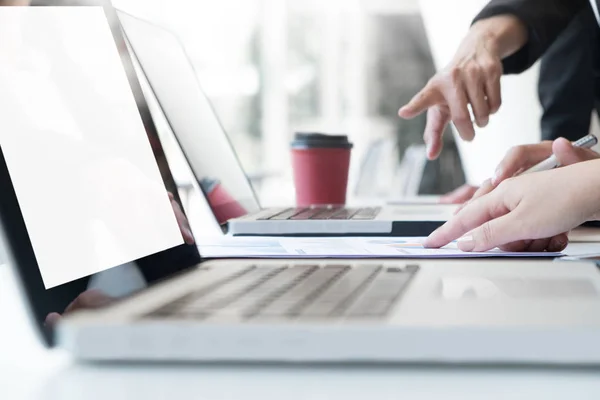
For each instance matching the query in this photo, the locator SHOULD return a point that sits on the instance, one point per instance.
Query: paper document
(582, 250)
(347, 247)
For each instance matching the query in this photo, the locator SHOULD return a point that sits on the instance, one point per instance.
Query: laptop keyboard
(328, 213)
(297, 291)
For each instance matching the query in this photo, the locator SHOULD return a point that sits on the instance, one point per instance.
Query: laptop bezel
(13, 230)
(237, 165)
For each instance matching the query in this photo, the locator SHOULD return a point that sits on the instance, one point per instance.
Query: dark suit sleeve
(545, 20)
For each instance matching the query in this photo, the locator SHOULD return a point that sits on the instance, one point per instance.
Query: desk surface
(135, 382)
(28, 371)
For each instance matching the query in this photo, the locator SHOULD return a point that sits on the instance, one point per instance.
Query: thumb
(567, 154)
(491, 234)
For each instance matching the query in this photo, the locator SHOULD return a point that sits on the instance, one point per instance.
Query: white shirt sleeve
(595, 8)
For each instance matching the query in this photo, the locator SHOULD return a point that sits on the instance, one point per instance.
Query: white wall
(517, 122)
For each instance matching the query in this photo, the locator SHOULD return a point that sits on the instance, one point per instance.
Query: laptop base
(323, 229)
(434, 312)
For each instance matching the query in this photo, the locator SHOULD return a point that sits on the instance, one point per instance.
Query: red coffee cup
(321, 163)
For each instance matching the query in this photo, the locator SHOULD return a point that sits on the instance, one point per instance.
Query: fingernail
(466, 243)
(427, 242)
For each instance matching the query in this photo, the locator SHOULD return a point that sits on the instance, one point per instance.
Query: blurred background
(275, 67)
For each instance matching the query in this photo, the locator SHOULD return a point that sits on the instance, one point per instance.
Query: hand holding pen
(586, 142)
(538, 157)
(532, 212)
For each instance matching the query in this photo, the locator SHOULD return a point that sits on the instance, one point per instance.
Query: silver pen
(551, 162)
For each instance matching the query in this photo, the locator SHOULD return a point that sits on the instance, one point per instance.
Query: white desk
(29, 372)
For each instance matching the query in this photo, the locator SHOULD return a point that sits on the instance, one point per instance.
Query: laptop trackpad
(455, 288)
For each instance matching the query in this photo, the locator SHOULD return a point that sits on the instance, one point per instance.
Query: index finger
(428, 97)
(470, 217)
(484, 189)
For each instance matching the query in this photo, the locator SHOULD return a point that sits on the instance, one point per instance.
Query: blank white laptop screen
(192, 118)
(78, 154)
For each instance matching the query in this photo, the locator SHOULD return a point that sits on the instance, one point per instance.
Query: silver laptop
(290, 311)
(215, 165)
(188, 309)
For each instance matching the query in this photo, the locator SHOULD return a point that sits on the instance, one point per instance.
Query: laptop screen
(64, 153)
(191, 117)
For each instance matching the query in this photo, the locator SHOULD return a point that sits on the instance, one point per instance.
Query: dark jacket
(545, 20)
(568, 83)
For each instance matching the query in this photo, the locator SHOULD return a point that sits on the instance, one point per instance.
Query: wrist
(502, 35)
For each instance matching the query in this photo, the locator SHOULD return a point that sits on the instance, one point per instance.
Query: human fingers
(474, 83)
(459, 195)
(470, 217)
(428, 97)
(491, 234)
(567, 154)
(553, 244)
(519, 158)
(492, 72)
(457, 100)
(485, 188)
(437, 120)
